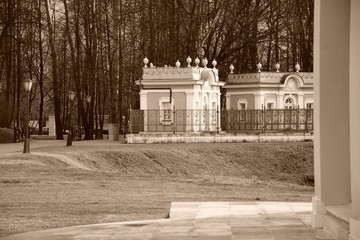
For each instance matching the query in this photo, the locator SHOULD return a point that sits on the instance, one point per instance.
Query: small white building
(183, 98)
(270, 90)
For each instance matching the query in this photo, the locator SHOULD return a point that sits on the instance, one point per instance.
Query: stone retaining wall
(216, 138)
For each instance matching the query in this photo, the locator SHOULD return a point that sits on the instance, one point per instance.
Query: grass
(135, 182)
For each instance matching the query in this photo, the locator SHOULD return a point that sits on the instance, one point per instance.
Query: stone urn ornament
(205, 62)
(297, 67)
(231, 68)
(146, 61)
(259, 66)
(277, 67)
(177, 64)
(188, 60)
(197, 61)
(214, 63)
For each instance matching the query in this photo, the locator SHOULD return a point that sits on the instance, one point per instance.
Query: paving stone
(219, 237)
(200, 221)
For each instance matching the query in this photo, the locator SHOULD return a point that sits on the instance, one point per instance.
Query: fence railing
(180, 120)
(267, 120)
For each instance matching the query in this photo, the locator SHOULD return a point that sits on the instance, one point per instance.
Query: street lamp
(27, 85)
(71, 98)
(88, 100)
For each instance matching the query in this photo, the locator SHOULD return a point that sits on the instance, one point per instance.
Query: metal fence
(267, 120)
(180, 120)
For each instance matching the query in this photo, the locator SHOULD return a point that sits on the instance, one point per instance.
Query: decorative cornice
(268, 77)
(166, 70)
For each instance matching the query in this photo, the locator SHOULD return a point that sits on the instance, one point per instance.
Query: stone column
(332, 135)
(355, 119)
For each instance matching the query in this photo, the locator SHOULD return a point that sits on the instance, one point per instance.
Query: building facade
(270, 90)
(189, 96)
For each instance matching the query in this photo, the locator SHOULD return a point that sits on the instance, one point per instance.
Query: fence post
(263, 117)
(217, 119)
(297, 118)
(174, 119)
(232, 128)
(130, 120)
(306, 118)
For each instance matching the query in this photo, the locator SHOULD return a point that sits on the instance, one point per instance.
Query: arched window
(289, 103)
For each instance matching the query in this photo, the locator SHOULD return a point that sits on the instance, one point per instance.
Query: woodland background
(96, 48)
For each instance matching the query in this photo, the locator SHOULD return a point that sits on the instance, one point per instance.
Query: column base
(354, 229)
(317, 213)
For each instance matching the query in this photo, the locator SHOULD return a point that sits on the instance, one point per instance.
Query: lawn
(59, 186)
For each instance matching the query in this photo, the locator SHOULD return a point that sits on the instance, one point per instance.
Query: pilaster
(228, 104)
(280, 101)
(301, 100)
(143, 100)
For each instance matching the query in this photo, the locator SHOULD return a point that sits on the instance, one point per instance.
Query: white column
(190, 106)
(355, 119)
(332, 135)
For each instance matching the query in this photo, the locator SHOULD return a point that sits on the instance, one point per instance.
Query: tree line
(96, 49)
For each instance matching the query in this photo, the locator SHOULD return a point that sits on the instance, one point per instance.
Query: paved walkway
(18, 147)
(202, 221)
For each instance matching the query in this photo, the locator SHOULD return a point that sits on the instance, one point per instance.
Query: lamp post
(27, 85)
(88, 100)
(71, 98)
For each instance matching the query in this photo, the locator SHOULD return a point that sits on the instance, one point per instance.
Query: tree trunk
(57, 101)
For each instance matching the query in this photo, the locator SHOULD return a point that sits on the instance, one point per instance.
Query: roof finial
(197, 61)
(188, 60)
(214, 63)
(277, 66)
(205, 62)
(146, 61)
(231, 68)
(259, 66)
